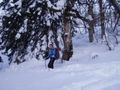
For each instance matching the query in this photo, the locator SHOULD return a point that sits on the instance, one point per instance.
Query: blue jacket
(51, 52)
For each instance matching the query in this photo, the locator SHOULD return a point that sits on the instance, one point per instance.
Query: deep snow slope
(92, 67)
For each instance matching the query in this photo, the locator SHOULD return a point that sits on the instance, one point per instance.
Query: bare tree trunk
(68, 47)
(102, 18)
(91, 32)
(91, 23)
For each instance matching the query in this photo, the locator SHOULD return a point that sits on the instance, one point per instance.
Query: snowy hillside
(92, 67)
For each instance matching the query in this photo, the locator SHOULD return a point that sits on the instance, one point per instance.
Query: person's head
(51, 46)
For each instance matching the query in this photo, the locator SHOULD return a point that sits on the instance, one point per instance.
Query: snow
(92, 67)
(60, 4)
(18, 36)
(90, 17)
(82, 72)
(4, 58)
(2, 12)
(1, 1)
(19, 3)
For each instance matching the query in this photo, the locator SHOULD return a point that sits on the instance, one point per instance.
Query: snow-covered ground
(92, 67)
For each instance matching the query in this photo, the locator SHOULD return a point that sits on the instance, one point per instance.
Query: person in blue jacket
(51, 55)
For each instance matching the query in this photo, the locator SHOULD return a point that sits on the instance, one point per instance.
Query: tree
(115, 5)
(102, 18)
(68, 47)
(24, 26)
(28, 25)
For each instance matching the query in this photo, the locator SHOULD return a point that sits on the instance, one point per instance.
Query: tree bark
(102, 18)
(91, 22)
(68, 47)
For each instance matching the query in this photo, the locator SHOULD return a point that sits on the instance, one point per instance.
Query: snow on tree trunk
(68, 47)
(67, 40)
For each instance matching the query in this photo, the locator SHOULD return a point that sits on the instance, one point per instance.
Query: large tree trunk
(68, 47)
(102, 18)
